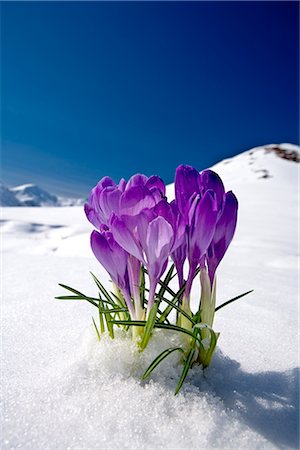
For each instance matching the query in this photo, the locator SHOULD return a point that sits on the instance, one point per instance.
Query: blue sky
(109, 88)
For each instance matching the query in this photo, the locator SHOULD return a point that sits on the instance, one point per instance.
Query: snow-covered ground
(61, 389)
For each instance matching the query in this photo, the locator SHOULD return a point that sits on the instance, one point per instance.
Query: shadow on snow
(267, 402)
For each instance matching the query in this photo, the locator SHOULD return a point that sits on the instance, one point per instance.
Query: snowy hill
(32, 195)
(63, 389)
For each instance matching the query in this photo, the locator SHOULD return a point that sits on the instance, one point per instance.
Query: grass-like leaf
(233, 300)
(207, 354)
(109, 322)
(169, 308)
(159, 359)
(79, 296)
(103, 290)
(101, 321)
(186, 368)
(172, 305)
(166, 281)
(142, 323)
(149, 326)
(97, 331)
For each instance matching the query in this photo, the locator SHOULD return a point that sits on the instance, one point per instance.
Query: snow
(62, 389)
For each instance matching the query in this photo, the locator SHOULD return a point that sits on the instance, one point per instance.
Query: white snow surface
(62, 389)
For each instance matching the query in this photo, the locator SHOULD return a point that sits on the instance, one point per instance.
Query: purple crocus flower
(180, 253)
(200, 198)
(202, 218)
(223, 234)
(104, 198)
(129, 198)
(114, 259)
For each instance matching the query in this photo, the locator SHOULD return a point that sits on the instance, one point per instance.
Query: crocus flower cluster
(137, 232)
(137, 226)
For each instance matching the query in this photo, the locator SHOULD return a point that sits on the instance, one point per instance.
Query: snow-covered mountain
(7, 197)
(32, 195)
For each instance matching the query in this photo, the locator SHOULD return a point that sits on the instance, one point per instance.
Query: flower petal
(135, 199)
(110, 255)
(137, 180)
(155, 183)
(202, 228)
(209, 180)
(125, 238)
(158, 245)
(223, 235)
(186, 184)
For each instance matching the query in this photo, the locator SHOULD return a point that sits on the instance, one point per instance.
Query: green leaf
(75, 297)
(176, 328)
(109, 322)
(149, 326)
(169, 308)
(136, 323)
(233, 300)
(206, 355)
(186, 368)
(159, 359)
(97, 331)
(173, 305)
(71, 289)
(142, 286)
(161, 283)
(142, 323)
(166, 281)
(103, 290)
(101, 321)
(113, 311)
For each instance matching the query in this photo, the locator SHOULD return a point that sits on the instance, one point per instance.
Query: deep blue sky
(109, 88)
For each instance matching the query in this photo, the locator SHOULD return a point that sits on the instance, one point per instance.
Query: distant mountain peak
(30, 194)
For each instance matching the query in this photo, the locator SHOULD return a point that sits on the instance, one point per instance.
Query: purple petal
(209, 180)
(202, 228)
(157, 184)
(223, 235)
(122, 185)
(92, 216)
(179, 257)
(164, 209)
(135, 199)
(125, 238)
(186, 184)
(136, 180)
(110, 255)
(179, 227)
(158, 245)
(109, 201)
